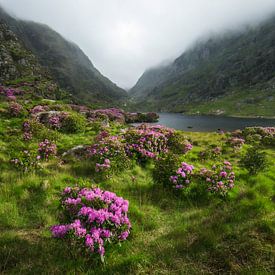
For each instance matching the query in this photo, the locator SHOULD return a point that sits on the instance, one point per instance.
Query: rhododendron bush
(147, 142)
(92, 219)
(183, 176)
(220, 179)
(108, 153)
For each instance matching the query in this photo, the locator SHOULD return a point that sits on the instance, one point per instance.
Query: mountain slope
(66, 62)
(233, 74)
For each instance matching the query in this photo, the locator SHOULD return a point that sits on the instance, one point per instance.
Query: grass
(172, 234)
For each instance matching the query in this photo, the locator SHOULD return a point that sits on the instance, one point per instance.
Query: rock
(78, 152)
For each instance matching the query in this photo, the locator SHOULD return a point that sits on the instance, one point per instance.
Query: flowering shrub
(220, 179)
(33, 128)
(27, 134)
(266, 135)
(26, 161)
(112, 114)
(46, 149)
(10, 93)
(55, 121)
(108, 153)
(39, 109)
(235, 142)
(147, 142)
(178, 143)
(15, 109)
(211, 153)
(183, 176)
(62, 121)
(165, 167)
(93, 218)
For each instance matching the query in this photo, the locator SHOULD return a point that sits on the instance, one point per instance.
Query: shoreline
(226, 116)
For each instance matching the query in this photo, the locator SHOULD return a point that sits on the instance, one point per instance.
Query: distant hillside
(66, 62)
(231, 74)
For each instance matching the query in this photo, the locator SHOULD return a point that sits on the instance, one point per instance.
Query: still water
(210, 123)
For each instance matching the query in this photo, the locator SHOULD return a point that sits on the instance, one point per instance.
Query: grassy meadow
(172, 232)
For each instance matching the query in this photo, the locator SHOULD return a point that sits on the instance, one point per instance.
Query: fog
(125, 37)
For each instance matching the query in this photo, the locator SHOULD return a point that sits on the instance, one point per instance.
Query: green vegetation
(172, 232)
(230, 74)
(64, 61)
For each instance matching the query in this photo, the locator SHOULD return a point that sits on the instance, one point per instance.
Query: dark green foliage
(165, 167)
(226, 74)
(177, 142)
(254, 161)
(73, 123)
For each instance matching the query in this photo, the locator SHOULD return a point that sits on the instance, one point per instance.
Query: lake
(210, 123)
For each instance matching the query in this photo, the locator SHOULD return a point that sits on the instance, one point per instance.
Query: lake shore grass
(172, 233)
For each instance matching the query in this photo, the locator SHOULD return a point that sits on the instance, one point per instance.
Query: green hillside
(229, 74)
(66, 62)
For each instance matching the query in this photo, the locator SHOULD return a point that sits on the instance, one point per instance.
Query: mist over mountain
(232, 74)
(65, 61)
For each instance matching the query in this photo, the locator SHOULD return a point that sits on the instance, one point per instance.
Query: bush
(46, 149)
(182, 178)
(220, 179)
(254, 160)
(179, 144)
(108, 154)
(92, 219)
(15, 109)
(147, 142)
(164, 168)
(73, 123)
(26, 161)
(33, 128)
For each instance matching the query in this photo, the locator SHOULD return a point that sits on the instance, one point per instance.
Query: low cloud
(124, 38)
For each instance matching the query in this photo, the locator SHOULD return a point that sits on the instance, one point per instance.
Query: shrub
(235, 142)
(179, 144)
(73, 123)
(108, 153)
(147, 142)
(220, 179)
(182, 178)
(39, 108)
(46, 149)
(15, 109)
(33, 128)
(165, 167)
(254, 160)
(92, 219)
(26, 161)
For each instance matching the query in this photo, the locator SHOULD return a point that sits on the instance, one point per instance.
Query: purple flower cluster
(236, 142)
(113, 114)
(39, 109)
(105, 166)
(187, 147)
(145, 142)
(183, 176)
(107, 150)
(94, 218)
(220, 179)
(27, 134)
(46, 149)
(10, 93)
(15, 109)
(56, 120)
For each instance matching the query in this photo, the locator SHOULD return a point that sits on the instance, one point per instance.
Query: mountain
(65, 61)
(229, 74)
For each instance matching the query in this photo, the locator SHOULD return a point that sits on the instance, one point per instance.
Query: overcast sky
(125, 37)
